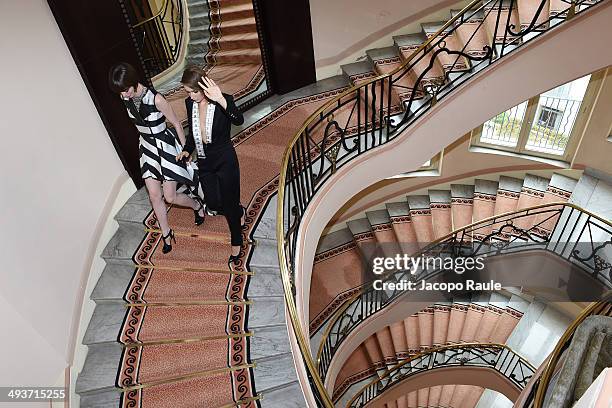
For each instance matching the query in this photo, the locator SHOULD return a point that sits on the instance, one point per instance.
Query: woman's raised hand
(211, 90)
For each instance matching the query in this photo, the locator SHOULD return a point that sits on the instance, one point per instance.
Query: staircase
(187, 352)
(223, 39)
(415, 222)
(483, 318)
(471, 37)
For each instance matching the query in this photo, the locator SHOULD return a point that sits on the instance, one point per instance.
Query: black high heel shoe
(232, 259)
(199, 219)
(168, 245)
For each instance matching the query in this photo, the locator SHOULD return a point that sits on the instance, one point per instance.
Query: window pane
(555, 117)
(504, 129)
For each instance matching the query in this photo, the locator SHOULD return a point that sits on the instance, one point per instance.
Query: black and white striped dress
(159, 146)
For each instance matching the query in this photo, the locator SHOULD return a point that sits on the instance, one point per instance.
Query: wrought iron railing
(563, 229)
(497, 357)
(372, 114)
(158, 37)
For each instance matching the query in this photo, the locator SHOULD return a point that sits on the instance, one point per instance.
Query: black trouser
(220, 178)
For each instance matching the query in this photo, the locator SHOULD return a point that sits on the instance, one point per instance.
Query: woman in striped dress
(161, 172)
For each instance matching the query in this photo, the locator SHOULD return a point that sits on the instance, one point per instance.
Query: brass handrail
(593, 309)
(338, 313)
(305, 351)
(433, 350)
(159, 13)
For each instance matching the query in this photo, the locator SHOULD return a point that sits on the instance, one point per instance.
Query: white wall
(58, 171)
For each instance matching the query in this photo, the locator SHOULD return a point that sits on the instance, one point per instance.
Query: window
(549, 117)
(541, 126)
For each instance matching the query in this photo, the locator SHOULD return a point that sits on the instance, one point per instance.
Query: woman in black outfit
(211, 114)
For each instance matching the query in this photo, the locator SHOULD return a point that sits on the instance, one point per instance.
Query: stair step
(113, 282)
(236, 56)
(534, 182)
(196, 7)
(334, 240)
(236, 11)
(123, 244)
(439, 196)
(265, 254)
(359, 226)
(266, 311)
(488, 187)
(398, 209)
(266, 284)
(378, 217)
(199, 19)
(358, 70)
(239, 41)
(102, 399)
(408, 40)
(136, 209)
(274, 372)
(559, 181)
(105, 323)
(376, 54)
(286, 396)
(242, 25)
(269, 341)
(100, 369)
(199, 33)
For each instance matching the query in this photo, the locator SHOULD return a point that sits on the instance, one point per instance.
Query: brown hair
(122, 76)
(192, 76)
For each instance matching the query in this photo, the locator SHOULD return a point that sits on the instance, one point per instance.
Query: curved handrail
(161, 11)
(159, 37)
(372, 114)
(499, 357)
(594, 308)
(495, 235)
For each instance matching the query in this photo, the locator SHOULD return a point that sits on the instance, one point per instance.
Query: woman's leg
(172, 197)
(229, 175)
(154, 188)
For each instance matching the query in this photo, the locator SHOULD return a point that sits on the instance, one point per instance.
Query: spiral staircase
(394, 91)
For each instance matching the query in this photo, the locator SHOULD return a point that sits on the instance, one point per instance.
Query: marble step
(265, 253)
(287, 396)
(105, 323)
(137, 208)
(357, 70)
(269, 341)
(266, 284)
(100, 369)
(199, 33)
(266, 312)
(198, 7)
(123, 245)
(273, 372)
(197, 46)
(112, 284)
(196, 59)
(103, 399)
(199, 19)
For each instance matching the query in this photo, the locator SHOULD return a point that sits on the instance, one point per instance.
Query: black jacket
(222, 123)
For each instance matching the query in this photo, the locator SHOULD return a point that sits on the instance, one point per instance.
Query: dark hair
(192, 76)
(122, 76)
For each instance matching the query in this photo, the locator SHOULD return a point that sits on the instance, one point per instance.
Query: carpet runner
(186, 332)
(233, 59)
